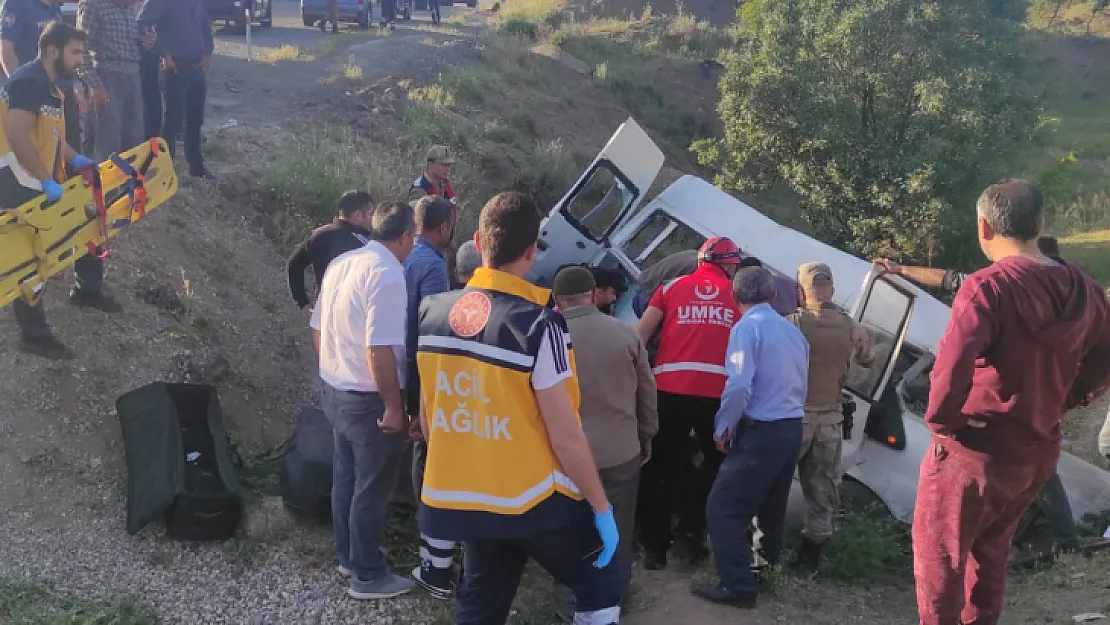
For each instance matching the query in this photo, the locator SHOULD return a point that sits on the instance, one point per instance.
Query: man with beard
(609, 286)
(34, 150)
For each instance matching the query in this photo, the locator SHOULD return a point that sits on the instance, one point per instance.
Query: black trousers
(152, 93)
(186, 92)
(670, 483)
(493, 569)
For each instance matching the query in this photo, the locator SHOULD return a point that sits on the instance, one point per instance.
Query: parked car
(599, 222)
(234, 13)
(357, 11)
(422, 5)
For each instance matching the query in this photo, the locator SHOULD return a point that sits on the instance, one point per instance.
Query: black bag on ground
(306, 466)
(179, 462)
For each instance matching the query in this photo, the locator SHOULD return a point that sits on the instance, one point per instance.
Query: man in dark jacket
(1028, 338)
(349, 230)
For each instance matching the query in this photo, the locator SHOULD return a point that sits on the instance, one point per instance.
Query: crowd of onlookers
(547, 429)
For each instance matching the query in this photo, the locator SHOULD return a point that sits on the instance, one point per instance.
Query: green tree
(885, 116)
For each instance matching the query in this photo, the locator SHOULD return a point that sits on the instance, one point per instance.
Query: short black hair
(58, 34)
(1013, 208)
(392, 220)
(750, 261)
(609, 279)
(753, 285)
(432, 211)
(353, 201)
(1048, 246)
(508, 225)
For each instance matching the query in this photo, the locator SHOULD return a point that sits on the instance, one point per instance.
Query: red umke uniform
(698, 314)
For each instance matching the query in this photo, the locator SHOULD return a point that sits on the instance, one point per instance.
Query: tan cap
(440, 154)
(814, 275)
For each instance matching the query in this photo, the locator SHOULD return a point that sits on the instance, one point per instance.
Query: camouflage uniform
(834, 340)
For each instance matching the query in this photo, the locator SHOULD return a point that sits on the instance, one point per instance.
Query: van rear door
(607, 194)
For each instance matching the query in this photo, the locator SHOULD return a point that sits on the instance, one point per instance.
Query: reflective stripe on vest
(488, 449)
(698, 315)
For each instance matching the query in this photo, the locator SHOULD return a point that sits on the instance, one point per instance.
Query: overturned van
(601, 222)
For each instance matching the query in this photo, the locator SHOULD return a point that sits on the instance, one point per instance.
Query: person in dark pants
(694, 314)
(359, 333)
(349, 230)
(34, 158)
(184, 42)
(149, 68)
(509, 469)
(433, 8)
(759, 428)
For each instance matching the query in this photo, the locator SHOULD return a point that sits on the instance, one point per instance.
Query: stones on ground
(160, 295)
(268, 520)
(199, 368)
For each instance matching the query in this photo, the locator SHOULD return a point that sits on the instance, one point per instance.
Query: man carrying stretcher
(33, 152)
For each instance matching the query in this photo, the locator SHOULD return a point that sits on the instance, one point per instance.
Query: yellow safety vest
(48, 136)
(489, 458)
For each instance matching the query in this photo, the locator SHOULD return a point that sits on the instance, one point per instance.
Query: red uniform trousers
(968, 508)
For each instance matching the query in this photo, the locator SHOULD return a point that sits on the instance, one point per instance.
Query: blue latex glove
(607, 527)
(52, 189)
(81, 162)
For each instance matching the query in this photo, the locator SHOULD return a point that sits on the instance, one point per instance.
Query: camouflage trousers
(819, 473)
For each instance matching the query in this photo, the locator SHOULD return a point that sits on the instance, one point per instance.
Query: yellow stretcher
(40, 239)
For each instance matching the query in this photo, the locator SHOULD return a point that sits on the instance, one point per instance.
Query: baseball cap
(440, 154)
(573, 280)
(814, 275)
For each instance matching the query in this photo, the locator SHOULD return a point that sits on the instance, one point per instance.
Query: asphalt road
(289, 30)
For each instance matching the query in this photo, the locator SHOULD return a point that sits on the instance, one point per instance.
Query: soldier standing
(835, 339)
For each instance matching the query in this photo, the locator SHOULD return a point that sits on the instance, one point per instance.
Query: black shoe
(808, 561)
(717, 593)
(97, 300)
(202, 174)
(48, 347)
(655, 560)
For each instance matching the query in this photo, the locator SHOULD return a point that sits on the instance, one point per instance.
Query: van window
(599, 202)
(884, 316)
(659, 237)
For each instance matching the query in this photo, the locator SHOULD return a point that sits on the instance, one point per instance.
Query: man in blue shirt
(759, 427)
(426, 274)
(184, 42)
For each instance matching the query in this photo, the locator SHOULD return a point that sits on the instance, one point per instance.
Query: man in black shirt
(349, 230)
(33, 153)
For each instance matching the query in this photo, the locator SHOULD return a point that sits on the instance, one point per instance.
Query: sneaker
(98, 301)
(433, 590)
(386, 587)
(48, 347)
(344, 571)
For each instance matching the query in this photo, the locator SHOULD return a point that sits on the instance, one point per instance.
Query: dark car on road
(356, 11)
(234, 13)
(422, 5)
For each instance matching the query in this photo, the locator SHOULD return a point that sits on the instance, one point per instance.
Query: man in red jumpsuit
(696, 313)
(1028, 338)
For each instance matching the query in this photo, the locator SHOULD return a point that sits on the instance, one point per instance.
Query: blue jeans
(364, 469)
(753, 481)
(493, 568)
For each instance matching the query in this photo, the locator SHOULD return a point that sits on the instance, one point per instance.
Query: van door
(884, 310)
(607, 194)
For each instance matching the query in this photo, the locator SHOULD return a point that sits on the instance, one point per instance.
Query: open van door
(884, 310)
(579, 226)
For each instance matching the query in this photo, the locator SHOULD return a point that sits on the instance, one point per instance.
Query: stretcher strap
(91, 176)
(136, 181)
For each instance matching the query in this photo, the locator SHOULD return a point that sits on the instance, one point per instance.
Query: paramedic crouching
(759, 427)
(359, 331)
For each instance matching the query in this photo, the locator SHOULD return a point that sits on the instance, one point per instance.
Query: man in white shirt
(359, 331)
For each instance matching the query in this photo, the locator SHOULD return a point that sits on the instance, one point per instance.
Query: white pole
(247, 10)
